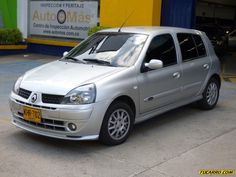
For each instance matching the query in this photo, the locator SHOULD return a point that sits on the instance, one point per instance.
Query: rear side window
(162, 47)
(200, 45)
(187, 46)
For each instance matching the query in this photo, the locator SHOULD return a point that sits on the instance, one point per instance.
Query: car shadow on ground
(38, 143)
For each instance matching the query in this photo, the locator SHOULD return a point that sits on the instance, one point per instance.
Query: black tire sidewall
(203, 103)
(104, 136)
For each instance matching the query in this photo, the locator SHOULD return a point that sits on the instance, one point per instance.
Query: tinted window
(162, 48)
(200, 45)
(187, 46)
(110, 45)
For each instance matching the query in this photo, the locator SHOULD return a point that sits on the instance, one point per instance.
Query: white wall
(212, 10)
(204, 8)
(22, 16)
(225, 12)
(226, 2)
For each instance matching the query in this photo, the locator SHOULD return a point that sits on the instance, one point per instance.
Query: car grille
(53, 99)
(36, 106)
(46, 123)
(24, 93)
(46, 98)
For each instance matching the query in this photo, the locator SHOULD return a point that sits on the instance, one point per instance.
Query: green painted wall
(8, 13)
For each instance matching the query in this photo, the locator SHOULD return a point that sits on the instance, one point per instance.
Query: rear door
(195, 63)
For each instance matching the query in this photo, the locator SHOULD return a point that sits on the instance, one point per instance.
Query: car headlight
(84, 94)
(17, 85)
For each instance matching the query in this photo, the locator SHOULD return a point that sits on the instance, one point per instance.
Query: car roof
(151, 30)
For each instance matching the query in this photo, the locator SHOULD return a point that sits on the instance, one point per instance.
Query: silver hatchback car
(114, 79)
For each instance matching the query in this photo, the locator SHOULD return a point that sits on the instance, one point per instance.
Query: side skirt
(148, 115)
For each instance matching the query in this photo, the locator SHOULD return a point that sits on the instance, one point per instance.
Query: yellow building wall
(142, 12)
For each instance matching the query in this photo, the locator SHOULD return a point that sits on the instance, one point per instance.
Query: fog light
(72, 126)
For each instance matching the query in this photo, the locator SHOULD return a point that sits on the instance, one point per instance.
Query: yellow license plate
(32, 115)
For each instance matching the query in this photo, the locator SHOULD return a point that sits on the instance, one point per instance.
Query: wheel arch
(210, 101)
(104, 135)
(217, 77)
(128, 100)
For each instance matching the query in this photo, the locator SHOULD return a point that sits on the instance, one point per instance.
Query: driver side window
(162, 47)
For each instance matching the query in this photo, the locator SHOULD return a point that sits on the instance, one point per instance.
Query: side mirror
(65, 53)
(154, 64)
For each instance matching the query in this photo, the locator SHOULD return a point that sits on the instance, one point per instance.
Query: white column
(22, 16)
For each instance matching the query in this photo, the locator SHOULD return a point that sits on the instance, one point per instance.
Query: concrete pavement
(176, 144)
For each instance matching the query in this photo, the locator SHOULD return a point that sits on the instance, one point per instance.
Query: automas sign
(66, 19)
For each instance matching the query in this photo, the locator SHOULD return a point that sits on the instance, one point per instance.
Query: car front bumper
(56, 117)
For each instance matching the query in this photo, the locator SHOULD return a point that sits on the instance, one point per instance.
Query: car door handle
(176, 75)
(206, 66)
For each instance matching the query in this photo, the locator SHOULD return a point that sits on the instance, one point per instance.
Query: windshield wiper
(93, 48)
(74, 59)
(98, 61)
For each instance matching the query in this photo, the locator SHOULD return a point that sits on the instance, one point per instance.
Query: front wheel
(210, 95)
(117, 124)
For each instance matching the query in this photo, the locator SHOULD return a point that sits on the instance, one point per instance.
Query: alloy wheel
(118, 124)
(212, 93)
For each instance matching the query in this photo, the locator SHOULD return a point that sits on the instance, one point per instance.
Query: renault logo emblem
(34, 98)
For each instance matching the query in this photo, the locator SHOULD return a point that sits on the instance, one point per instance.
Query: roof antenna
(126, 20)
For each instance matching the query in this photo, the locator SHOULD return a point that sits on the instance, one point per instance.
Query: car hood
(60, 77)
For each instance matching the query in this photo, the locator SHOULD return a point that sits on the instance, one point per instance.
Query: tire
(210, 95)
(117, 124)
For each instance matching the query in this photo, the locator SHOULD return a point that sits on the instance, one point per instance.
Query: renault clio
(114, 79)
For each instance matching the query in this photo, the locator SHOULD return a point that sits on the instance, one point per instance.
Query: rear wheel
(210, 95)
(117, 124)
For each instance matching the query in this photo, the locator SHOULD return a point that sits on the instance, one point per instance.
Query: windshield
(114, 49)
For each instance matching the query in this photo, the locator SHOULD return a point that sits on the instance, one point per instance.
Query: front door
(160, 87)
